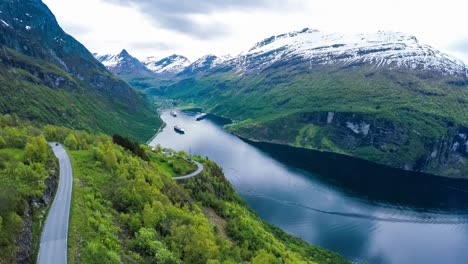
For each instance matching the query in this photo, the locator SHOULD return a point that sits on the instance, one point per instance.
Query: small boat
(173, 113)
(179, 130)
(201, 116)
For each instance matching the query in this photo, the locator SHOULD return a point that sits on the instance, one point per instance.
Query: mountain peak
(173, 56)
(124, 53)
(172, 64)
(123, 63)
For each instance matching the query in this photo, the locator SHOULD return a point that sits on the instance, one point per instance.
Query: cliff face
(373, 138)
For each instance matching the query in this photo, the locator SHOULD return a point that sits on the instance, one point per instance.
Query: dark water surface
(366, 212)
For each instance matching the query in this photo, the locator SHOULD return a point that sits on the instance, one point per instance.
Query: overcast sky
(197, 27)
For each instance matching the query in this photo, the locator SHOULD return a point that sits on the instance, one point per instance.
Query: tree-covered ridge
(128, 210)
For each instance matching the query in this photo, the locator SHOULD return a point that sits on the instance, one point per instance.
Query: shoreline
(164, 124)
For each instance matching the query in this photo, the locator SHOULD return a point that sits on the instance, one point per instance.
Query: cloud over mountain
(184, 16)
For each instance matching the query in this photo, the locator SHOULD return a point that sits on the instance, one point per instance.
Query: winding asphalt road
(193, 174)
(53, 247)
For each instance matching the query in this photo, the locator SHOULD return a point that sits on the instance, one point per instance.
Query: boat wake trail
(455, 188)
(423, 219)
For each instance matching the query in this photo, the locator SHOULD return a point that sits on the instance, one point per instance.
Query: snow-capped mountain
(381, 49)
(123, 64)
(171, 65)
(204, 64)
(304, 48)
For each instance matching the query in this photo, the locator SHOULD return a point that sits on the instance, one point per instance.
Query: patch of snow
(109, 61)
(150, 59)
(205, 60)
(363, 127)
(434, 154)
(58, 39)
(208, 62)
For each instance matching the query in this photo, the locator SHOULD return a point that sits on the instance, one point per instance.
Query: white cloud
(107, 26)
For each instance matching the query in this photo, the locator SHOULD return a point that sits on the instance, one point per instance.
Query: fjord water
(367, 213)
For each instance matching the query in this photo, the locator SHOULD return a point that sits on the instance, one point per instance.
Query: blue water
(365, 212)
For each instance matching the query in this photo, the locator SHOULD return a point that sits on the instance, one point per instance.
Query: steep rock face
(370, 137)
(450, 153)
(50, 77)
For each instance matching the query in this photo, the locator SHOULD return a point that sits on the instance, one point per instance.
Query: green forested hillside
(127, 210)
(44, 93)
(48, 77)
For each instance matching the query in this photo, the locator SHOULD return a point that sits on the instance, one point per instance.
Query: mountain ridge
(382, 49)
(203, 65)
(170, 65)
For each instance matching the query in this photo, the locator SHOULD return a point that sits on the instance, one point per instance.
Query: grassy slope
(174, 164)
(270, 106)
(71, 104)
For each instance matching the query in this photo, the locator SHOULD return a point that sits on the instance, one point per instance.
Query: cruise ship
(201, 116)
(179, 130)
